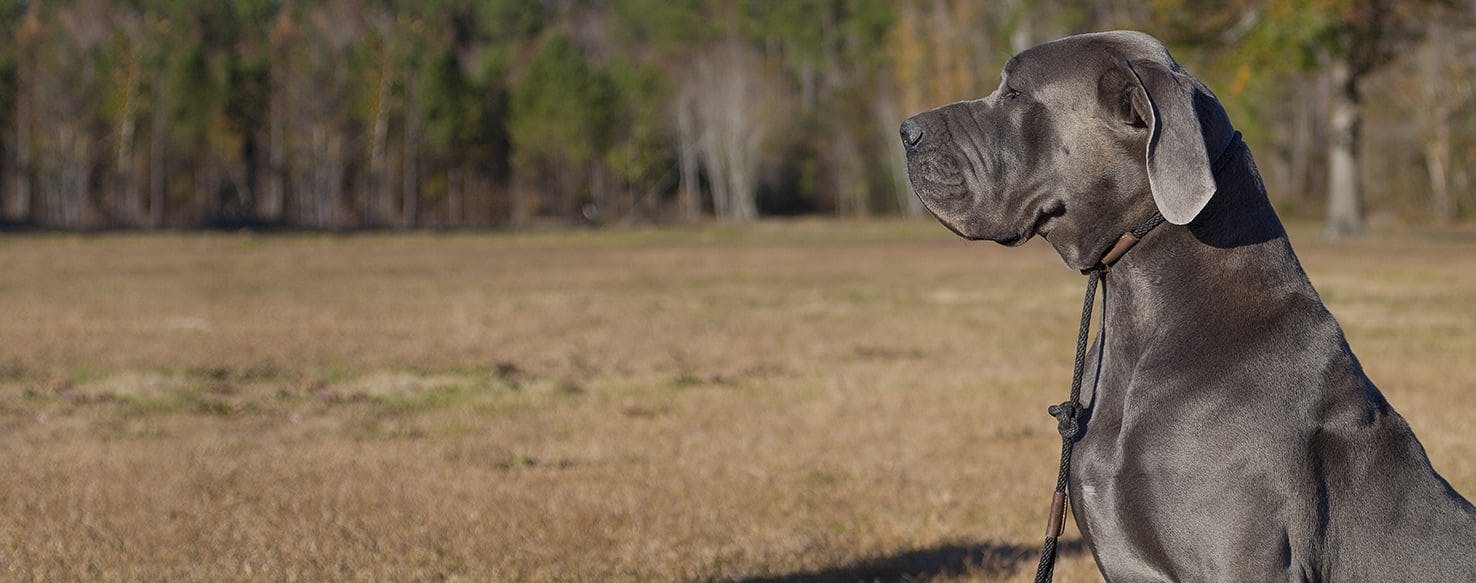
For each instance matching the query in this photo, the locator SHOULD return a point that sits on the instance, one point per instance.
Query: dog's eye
(1010, 93)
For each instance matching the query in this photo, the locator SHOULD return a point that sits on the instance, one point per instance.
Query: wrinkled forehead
(1050, 73)
(1079, 59)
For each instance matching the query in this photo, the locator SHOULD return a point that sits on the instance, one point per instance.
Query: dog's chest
(1104, 515)
(1150, 501)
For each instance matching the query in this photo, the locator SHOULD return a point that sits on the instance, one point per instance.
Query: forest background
(350, 114)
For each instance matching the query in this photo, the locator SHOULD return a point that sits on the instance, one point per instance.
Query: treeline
(335, 114)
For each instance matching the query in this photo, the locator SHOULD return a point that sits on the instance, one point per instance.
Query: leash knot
(1068, 418)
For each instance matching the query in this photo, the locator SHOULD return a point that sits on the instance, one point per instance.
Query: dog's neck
(1231, 263)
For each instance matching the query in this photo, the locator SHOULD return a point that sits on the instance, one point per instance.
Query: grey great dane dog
(1230, 433)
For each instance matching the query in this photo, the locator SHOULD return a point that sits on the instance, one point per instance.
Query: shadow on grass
(989, 559)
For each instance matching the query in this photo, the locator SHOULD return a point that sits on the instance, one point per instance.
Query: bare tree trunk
(338, 153)
(849, 172)
(1440, 91)
(23, 169)
(728, 90)
(6, 182)
(745, 188)
(126, 191)
(808, 92)
(521, 205)
(721, 199)
(1461, 179)
(331, 177)
(300, 207)
(78, 202)
(379, 192)
(410, 186)
(851, 193)
(1437, 163)
(214, 194)
(454, 197)
(60, 175)
(157, 127)
(50, 173)
(274, 204)
(1344, 201)
(319, 191)
(75, 162)
(600, 197)
(243, 184)
(567, 184)
(687, 153)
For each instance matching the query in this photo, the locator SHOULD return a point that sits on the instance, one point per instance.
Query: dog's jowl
(1230, 434)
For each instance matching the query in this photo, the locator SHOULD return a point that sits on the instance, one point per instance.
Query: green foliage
(453, 111)
(640, 154)
(508, 21)
(868, 22)
(798, 23)
(668, 25)
(196, 96)
(1290, 35)
(562, 112)
(10, 20)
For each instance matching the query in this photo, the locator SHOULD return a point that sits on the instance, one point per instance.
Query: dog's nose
(912, 133)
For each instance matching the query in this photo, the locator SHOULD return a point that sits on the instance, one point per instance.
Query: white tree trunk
(379, 191)
(123, 209)
(410, 187)
(333, 177)
(712, 158)
(1344, 200)
(688, 152)
(1441, 89)
(22, 192)
(158, 124)
(273, 204)
(1437, 163)
(455, 194)
(735, 105)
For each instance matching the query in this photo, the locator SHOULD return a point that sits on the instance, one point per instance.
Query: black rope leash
(1068, 414)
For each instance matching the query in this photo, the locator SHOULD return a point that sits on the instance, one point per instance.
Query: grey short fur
(1232, 435)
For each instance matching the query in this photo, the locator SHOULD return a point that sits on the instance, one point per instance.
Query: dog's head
(1084, 136)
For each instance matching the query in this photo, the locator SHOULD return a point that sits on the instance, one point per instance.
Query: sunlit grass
(716, 402)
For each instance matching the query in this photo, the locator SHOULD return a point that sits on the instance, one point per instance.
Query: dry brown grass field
(844, 401)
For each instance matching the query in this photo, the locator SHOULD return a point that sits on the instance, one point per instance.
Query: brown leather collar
(1124, 243)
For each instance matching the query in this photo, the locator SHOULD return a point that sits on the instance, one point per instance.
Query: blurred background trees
(334, 114)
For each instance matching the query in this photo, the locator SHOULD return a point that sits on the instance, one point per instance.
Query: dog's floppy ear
(1178, 164)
